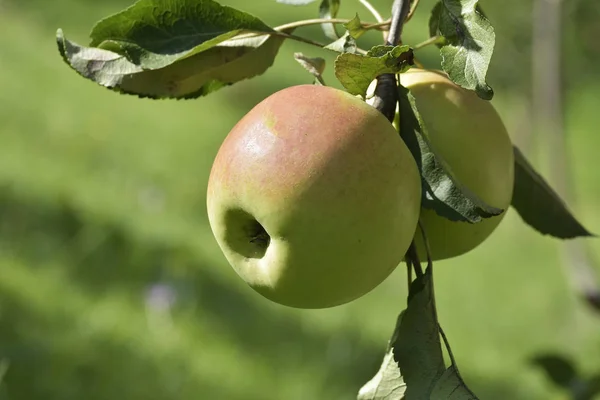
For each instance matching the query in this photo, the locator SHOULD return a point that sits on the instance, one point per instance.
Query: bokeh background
(111, 285)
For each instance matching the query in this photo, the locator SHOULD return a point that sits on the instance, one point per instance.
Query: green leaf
(434, 20)
(329, 9)
(388, 383)
(4, 365)
(345, 44)
(418, 349)
(592, 388)
(469, 46)
(155, 33)
(450, 386)
(354, 27)
(479, 9)
(356, 71)
(561, 371)
(442, 192)
(198, 75)
(413, 367)
(540, 206)
(315, 66)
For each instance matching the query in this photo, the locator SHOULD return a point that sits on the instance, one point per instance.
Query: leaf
(155, 33)
(434, 20)
(592, 298)
(479, 9)
(354, 27)
(198, 75)
(413, 367)
(356, 71)
(345, 44)
(450, 386)
(315, 66)
(592, 388)
(469, 46)
(4, 365)
(418, 349)
(329, 9)
(540, 206)
(388, 383)
(442, 192)
(561, 371)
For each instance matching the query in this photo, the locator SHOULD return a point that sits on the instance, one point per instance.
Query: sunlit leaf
(154, 33)
(345, 44)
(470, 40)
(198, 75)
(314, 65)
(328, 10)
(357, 71)
(388, 383)
(354, 27)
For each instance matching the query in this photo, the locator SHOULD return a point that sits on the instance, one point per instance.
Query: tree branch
(400, 10)
(386, 94)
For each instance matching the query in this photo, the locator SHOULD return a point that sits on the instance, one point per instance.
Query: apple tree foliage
(187, 49)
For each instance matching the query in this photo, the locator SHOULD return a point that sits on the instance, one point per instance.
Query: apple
(313, 197)
(470, 136)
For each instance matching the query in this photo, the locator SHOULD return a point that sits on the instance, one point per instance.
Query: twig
(413, 257)
(385, 97)
(372, 10)
(381, 25)
(431, 40)
(288, 36)
(426, 243)
(375, 13)
(298, 39)
(413, 8)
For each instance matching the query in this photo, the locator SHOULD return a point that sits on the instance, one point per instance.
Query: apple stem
(426, 242)
(413, 258)
(386, 93)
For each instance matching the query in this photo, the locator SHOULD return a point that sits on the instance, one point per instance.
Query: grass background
(111, 285)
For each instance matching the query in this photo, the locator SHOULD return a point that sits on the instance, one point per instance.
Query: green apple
(469, 135)
(313, 197)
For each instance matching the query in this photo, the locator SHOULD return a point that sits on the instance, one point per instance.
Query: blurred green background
(111, 285)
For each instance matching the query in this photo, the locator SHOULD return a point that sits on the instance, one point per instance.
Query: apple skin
(470, 136)
(333, 185)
